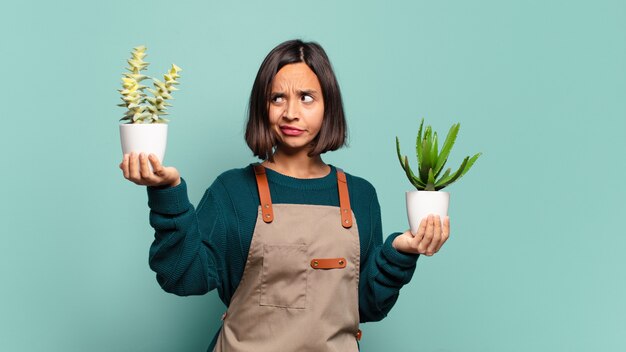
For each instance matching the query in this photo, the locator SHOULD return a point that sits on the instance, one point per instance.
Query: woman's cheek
(274, 114)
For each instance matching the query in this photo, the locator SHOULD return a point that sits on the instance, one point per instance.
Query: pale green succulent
(430, 161)
(141, 107)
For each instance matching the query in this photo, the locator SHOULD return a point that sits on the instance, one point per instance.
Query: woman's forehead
(297, 75)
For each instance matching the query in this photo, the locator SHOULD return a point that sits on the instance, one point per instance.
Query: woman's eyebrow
(307, 92)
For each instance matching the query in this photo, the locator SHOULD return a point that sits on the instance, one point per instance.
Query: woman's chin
(291, 147)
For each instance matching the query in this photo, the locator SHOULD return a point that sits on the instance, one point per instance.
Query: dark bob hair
(333, 132)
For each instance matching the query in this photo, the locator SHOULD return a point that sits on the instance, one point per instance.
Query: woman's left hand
(430, 236)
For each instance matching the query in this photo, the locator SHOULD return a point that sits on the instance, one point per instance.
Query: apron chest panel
(285, 302)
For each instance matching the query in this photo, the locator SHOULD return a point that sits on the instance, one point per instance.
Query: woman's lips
(291, 131)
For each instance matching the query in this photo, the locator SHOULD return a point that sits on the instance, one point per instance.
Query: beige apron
(299, 290)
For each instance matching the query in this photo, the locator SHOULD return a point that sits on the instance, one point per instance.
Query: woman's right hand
(135, 168)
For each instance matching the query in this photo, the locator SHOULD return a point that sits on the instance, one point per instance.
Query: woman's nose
(293, 111)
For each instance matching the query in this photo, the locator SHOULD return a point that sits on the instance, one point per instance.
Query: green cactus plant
(431, 161)
(142, 108)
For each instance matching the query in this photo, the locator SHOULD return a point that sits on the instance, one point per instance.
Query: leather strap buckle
(328, 263)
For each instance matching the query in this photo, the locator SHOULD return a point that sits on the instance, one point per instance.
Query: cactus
(142, 108)
(431, 162)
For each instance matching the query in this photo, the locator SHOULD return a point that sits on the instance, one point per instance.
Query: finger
(133, 167)
(125, 166)
(436, 236)
(428, 235)
(156, 165)
(445, 232)
(146, 173)
(421, 230)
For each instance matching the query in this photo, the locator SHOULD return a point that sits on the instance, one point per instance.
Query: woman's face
(296, 107)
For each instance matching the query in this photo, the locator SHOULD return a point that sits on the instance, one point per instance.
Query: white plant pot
(419, 204)
(144, 138)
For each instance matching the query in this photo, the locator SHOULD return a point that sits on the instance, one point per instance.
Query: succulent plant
(142, 108)
(430, 161)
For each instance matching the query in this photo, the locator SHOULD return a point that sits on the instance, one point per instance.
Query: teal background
(536, 257)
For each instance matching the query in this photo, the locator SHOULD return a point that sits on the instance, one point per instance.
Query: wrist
(166, 185)
(176, 183)
(396, 256)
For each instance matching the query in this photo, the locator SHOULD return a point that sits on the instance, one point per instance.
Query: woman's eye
(277, 99)
(306, 98)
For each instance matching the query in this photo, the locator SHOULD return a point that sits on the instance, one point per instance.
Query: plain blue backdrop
(535, 261)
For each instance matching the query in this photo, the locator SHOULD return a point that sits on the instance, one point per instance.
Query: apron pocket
(284, 275)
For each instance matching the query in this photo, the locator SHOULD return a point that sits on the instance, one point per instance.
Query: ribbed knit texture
(198, 250)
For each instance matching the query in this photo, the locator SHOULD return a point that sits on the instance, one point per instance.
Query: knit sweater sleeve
(384, 271)
(181, 253)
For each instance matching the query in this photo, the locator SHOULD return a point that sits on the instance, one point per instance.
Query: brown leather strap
(328, 263)
(344, 199)
(264, 193)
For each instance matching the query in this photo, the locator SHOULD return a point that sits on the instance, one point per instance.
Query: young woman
(293, 245)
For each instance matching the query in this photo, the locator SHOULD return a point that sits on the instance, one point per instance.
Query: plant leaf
(446, 182)
(470, 163)
(447, 147)
(415, 181)
(425, 161)
(445, 174)
(144, 115)
(398, 153)
(467, 167)
(430, 186)
(434, 152)
(418, 144)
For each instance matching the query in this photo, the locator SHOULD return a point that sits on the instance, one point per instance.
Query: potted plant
(145, 128)
(428, 198)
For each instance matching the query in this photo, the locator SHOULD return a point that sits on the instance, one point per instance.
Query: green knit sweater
(198, 250)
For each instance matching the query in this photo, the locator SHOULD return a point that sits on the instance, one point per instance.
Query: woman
(293, 245)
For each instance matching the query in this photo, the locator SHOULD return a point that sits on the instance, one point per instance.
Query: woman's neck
(298, 165)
